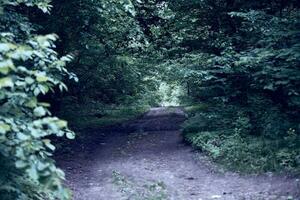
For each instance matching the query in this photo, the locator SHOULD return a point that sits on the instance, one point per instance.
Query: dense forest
(71, 65)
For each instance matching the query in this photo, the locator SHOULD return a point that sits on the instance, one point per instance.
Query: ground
(146, 159)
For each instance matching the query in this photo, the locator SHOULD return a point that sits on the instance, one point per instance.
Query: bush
(29, 68)
(235, 146)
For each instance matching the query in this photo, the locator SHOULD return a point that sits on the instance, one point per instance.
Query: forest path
(147, 160)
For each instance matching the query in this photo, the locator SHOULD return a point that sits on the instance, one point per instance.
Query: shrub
(29, 68)
(238, 147)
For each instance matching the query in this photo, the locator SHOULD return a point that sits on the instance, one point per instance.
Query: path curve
(148, 160)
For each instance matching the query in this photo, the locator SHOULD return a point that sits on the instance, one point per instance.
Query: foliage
(109, 50)
(235, 63)
(237, 150)
(241, 59)
(29, 68)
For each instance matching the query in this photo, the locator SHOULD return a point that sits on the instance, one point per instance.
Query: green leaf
(41, 78)
(49, 145)
(44, 104)
(35, 133)
(6, 66)
(20, 153)
(63, 87)
(5, 47)
(29, 80)
(6, 82)
(42, 166)
(39, 111)
(22, 136)
(45, 7)
(269, 87)
(20, 164)
(32, 103)
(70, 135)
(22, 53)
(32, 172)
(62, 123)
(43, 88)
(4, 127)
(36, 91)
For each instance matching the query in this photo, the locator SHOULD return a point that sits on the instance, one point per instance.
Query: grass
(243, 154)
(96, 115)
(138, 191)
(193, 109)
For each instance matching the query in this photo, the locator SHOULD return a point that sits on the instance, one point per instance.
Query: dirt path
(149, 161)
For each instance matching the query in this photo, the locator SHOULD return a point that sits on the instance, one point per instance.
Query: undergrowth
(96, 115)
(228, 138)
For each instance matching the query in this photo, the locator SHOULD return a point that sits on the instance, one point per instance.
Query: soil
(147, 159)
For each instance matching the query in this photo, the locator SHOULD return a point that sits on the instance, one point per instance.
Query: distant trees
(108, 45)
